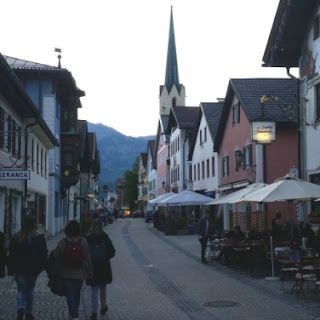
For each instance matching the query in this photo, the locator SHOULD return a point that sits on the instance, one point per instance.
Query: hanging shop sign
(263, 132)
(14, 174)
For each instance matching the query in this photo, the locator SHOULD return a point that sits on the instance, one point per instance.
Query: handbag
(56, 285)
(54, 271)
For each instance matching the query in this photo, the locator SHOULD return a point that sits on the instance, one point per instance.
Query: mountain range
(118, 152)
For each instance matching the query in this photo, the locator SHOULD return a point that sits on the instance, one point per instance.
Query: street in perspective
(161, 277)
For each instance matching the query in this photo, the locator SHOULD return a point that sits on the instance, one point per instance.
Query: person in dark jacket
(27, 259)
(102, 250)
(203, 234)
(3, 256)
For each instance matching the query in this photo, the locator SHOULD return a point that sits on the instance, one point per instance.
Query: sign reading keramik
(14, 174)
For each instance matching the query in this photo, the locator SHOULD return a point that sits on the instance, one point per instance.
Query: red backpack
(73, 253)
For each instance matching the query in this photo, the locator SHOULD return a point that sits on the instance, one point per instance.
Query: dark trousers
(72, 289)
(203, 241)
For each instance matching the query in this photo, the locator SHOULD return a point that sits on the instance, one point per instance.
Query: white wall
(204, 152)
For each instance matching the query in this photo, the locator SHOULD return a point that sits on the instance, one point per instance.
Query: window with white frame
(236, 113)
(202, 169)
(213, 171)
(247, 151)
(37, 157)
(9, 134)
(32, 154)
(225, 166)
(45, 164)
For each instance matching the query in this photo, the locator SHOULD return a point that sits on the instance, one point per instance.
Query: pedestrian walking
(74, 252)
(3, 256)
(102, 250)
(203, 234)
(27, 259)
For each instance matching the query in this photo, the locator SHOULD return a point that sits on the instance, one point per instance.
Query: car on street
(149, 217)
(138, 214)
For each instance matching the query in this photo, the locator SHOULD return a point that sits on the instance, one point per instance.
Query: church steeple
(172, 74)
(172, 93)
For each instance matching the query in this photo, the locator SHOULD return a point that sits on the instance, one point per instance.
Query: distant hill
(117, 152)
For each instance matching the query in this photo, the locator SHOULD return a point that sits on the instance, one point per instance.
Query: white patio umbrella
(287, 188)
(237, 196)
(186, 198)
(162, 197)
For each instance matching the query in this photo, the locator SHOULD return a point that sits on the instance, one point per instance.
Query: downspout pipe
(298, 119)
(26, 164)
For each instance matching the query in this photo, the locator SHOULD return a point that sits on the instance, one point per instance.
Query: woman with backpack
(101, 250)
(28, 257)
(74, 252)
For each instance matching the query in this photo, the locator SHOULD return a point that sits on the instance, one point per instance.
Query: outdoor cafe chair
(306, 274)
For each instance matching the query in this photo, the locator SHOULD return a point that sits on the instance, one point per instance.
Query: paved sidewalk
(158, 277)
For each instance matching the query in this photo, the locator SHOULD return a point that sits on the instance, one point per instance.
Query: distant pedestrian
(3, 256)
(102, 250)
(74, 252)
(28, 257)
(203, 233)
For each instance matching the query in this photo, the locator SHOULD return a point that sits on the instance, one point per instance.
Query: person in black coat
(27, 258)
(101, 250)
(203, 234)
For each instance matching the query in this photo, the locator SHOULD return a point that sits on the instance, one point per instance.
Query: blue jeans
(25, 285)
(72, 289)
(94, 296)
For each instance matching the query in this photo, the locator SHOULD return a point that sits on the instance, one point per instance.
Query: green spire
(172, 75)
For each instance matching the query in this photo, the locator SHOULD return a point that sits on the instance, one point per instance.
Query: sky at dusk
(116, 50)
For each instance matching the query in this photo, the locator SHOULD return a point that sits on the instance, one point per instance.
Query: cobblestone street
(160, 277)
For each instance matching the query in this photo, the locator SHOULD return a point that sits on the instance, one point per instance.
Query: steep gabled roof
(288, 31)
(212, 113)
(182, 117)
(281, 106)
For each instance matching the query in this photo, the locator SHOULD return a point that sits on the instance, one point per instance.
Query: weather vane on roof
(59, 56)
